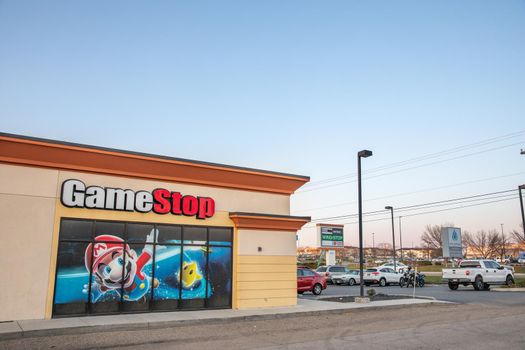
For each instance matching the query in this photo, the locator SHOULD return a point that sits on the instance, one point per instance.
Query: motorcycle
(411, 277)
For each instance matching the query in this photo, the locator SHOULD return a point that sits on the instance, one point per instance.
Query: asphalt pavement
(429, 327)
(439, 291)
(474, 320)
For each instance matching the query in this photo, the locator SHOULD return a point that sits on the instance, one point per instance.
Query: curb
(511, 290)
(404, 296)
(178, 323)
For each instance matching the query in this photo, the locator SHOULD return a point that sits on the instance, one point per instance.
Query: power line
(416, 206)
(432, 211)
(410, 168)
(425, 157)
(415, 192)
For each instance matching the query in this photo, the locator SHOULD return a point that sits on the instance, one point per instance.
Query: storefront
(87, 230)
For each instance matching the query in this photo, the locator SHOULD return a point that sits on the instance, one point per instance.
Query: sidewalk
(92, 324)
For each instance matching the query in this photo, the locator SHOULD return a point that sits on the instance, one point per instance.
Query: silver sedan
(350, 278)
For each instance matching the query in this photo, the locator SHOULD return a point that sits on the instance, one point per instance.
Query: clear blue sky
(293, 86)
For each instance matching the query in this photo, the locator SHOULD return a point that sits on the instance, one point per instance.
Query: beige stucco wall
(271, 242)
(28, 199)
(27, 211)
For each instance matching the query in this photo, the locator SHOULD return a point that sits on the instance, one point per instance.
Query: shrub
(310, 264)
(371, 292)
(424, 263)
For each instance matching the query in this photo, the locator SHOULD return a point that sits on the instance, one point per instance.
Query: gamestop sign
(75, 194)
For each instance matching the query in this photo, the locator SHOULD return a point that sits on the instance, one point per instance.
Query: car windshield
(321, 269)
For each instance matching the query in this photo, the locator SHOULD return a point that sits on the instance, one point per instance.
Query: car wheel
(382, 282)
(317, 289)
(486, 286)
(453, 286)
(351, 282)
(401, 282)
(509, 281)
(478, 283)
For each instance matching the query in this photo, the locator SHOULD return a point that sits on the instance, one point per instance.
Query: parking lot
(438, 291)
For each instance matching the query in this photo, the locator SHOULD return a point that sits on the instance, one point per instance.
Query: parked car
(309, 281)
(480, 273)
(331, 270)
(400, 267)
(382, 275)
(350, 278)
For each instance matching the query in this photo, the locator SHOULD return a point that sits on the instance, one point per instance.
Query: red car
(309, 281)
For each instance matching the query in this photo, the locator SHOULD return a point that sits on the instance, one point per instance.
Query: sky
(290, 86)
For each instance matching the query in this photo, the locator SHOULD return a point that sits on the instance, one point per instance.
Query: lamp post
(373, 245)
(522, 187)
(393, 236)
(400, 239)
(361, 154)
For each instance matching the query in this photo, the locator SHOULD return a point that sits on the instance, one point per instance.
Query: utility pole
(374, 244)
(400, 239)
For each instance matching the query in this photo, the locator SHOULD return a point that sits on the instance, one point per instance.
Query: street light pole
(400, 239)
(522, 187)
(361, 154)
(393, 236)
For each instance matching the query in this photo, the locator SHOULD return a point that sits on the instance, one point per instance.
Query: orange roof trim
(270, 222)
(22, 150)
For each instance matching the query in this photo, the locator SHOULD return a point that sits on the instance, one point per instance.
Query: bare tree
(483, 243)
(431, 237)
(518, 236)
(503, 246)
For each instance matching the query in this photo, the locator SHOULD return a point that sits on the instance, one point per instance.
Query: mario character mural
(108, 268)
(116, 267)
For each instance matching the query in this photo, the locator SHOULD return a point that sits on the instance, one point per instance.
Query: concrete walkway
(91, 324)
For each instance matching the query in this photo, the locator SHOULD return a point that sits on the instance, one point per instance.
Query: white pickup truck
(480, 273)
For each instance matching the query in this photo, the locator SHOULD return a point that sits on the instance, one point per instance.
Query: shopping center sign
(451, 242)
(75, 194)
(331, 236)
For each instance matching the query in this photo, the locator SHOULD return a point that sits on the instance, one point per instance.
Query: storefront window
(135, 267)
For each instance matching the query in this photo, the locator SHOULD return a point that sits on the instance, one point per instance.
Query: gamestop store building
(88, 231)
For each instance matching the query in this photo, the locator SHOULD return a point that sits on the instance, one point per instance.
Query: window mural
(111, 267)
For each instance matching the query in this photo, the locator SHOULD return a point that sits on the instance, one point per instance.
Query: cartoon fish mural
(191, 277)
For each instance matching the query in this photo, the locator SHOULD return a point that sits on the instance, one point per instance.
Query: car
(400, 267)
(481, 273)
(330, 271)
(382, 276)
(350, 278)
(309, 281)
